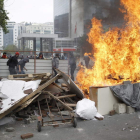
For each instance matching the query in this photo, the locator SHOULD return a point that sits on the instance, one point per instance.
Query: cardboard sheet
(14, 91)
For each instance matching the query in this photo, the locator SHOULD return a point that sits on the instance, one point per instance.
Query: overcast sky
(39, 11)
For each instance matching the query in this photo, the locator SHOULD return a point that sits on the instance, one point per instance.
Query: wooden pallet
(30, 77)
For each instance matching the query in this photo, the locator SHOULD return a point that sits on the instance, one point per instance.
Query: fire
(116, 52)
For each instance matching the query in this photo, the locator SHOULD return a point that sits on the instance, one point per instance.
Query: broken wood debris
(47, 100)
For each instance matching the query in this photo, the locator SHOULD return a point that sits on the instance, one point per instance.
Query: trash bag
(86, 109)
(128, 93)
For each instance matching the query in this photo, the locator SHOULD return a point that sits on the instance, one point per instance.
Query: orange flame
(116, 52)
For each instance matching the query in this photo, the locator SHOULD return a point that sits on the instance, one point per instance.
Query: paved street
(111, 128)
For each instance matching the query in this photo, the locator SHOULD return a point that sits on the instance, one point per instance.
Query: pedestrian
(4, 56)
(62, 57)
(21, 65)
(87, 59)
(55, 65)
(40, 56)
(72, 64)
(12, 63)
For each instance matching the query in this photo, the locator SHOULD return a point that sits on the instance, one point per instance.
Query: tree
(11, 48)
(3, 17)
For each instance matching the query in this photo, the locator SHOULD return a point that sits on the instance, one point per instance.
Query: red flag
(76, 28)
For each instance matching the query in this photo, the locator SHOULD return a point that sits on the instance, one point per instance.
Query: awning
(64, 49)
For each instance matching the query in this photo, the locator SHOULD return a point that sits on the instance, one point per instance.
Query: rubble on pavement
(31, 97)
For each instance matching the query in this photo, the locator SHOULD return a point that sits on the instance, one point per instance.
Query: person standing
(12, 63)
(55, 65)
(21, 65)
(87, 59)
(40, 56)
(72, 64)
(4, 56)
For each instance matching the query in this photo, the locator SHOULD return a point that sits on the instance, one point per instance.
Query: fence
(42, 66)
(34, 66)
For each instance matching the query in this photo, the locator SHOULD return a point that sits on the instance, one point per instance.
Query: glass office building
(61, 17)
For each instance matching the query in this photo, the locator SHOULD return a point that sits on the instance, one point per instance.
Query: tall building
(82, 11)
(10, 38)
(62, 18)
(38, 28)
(72, 18)
(1, 39)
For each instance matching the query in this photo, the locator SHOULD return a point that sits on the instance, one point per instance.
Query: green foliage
(11, 48)
(15, 48)
(3, 17)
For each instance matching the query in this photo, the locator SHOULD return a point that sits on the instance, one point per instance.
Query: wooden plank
(93, 95)
(10, 76)
(29, 96)
(66, 96)
(69, 108)
(59, 87)
(24, 105)
(30, 75)
(71, 105)
(71, 85)
(23, 79)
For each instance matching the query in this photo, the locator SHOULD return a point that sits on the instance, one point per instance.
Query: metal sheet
(71, 85)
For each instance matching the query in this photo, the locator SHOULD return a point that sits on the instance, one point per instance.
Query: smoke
(105, 10)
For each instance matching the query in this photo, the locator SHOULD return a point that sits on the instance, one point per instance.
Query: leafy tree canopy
(3, 17)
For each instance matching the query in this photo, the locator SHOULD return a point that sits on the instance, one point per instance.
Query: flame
(116, 52)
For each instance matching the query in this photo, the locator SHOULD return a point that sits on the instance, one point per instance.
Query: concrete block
(99, 96)
(111, 113)
(10, 129)
(26, 136)
(120, 108)
(129, 110)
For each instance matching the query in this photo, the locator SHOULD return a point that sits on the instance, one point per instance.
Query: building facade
(10, 38)
(62, 18)
(64, 45)
(1, 39)
(36, 28)
(82, 11)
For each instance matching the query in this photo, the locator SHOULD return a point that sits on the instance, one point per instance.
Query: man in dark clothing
(87, 59)
(12, 63)
(72, 64)
(40, 56)
(55, 64)
(21, 65)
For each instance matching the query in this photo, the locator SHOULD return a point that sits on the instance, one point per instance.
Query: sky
(39, 11)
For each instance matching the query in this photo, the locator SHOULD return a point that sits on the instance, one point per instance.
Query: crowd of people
(18, 67)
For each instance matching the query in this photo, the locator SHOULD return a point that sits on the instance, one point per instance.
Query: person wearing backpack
(12, 63)
(72, 64)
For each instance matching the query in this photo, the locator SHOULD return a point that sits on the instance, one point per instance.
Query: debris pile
(37, 97)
